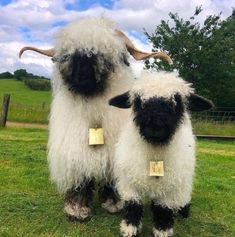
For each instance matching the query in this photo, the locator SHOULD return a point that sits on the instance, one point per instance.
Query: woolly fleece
(133, 153)
(70, 157)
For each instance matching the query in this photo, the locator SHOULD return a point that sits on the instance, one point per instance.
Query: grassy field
(33, 107)
(21, 94)
(26, 105)
(30, 206)
(214, 128)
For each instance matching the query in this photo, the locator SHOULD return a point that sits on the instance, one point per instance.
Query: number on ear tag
(156, 168)
(96, 136)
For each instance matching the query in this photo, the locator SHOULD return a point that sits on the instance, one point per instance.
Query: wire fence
(29, 113)
(220, 121)
(218, 114)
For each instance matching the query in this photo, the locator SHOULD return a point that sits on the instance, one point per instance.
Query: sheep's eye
(89, 55)
(125, 60)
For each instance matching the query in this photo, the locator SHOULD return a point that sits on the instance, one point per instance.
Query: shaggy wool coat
(70, 157)
(133, 153)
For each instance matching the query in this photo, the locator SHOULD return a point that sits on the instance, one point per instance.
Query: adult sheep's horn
(139, 55)
(47, 52)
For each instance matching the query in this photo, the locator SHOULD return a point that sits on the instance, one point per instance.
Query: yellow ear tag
(156, 168)
(96, 136)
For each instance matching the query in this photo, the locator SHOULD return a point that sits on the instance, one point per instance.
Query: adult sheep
(91, 65)
(155, 154)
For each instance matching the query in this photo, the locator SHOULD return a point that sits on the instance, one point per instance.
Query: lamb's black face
(158, 118)
(87, 74)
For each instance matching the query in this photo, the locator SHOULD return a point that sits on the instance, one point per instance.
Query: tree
(20, 74)
(203, 55)
(6, 75)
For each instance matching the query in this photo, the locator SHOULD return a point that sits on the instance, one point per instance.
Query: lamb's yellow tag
(96, 136)
(156, 168)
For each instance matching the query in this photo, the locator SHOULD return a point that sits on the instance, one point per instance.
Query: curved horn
(139, 55)
(47, 52)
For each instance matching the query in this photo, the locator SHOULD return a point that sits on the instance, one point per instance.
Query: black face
(158, 118)
(87, 74)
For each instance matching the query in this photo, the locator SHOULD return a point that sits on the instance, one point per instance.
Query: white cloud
(39, 17)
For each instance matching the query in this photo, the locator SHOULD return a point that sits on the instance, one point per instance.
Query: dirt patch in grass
(5, 163)
(26, 125)
(216, 152)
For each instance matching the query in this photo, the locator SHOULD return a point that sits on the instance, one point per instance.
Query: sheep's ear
(198, 103)
(121, 101)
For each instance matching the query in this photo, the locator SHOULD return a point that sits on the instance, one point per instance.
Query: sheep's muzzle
(86, 73)
(158, 118)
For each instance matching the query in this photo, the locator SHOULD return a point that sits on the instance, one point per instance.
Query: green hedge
(38, 84)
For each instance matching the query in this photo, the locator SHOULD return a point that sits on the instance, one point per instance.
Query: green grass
(214, 128)
(25, 105)
(21, 94)
(30, 205)
(28, 114)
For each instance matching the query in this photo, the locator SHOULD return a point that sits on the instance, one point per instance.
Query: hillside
(25, 105)
(21, 94)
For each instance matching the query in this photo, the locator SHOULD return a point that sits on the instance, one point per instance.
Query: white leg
(77, 212)
(162, 233)
(112, 207)
(129, 230)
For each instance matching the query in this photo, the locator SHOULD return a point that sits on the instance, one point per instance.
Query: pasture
(30, 106)
(30, 205)
(25, 105)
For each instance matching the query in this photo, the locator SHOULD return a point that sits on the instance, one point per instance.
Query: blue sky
(4, 2)
(84, 5)
(78, 4)
(35, 22)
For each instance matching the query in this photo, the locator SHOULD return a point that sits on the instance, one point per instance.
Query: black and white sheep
(91, 66)
(159, 130)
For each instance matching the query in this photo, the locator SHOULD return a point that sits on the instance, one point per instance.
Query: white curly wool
(70, 157)
(160, 84)
(129, 230)
(162, 233)
(133, 153)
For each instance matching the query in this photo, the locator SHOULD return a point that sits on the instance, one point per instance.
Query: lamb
(91, 65)
(155, 154)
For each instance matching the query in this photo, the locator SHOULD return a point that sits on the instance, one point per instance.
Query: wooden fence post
(5, 106)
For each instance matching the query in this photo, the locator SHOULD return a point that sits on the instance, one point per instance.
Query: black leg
(78, 201)
(185, 211)
(110, 198)
(132, 215)
(108, 191)
(83, 194)
(163, 218)
(133, 212)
